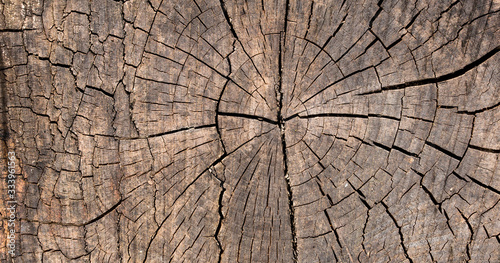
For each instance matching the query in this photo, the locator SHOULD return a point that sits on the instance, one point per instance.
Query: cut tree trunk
(251, 131)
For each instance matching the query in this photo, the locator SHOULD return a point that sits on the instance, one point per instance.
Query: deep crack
(281, 125)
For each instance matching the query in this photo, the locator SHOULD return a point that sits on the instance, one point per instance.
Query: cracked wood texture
(252, 131)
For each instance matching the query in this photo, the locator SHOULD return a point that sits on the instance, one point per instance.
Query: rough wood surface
(252, 131)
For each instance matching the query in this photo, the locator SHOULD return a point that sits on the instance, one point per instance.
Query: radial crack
(281, 125)
(405, 250)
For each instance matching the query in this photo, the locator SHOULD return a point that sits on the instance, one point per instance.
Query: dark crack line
(93, 220)
(4, 133)
(446, 10)
(379, 10)
(243, 173)
(231, 27)
(322, 49)
(217, 114)
(485, 186)
(480, 110)
(160, 81)
(217, 107)
(247, 116)
(216, 71)
(344, 78)
(281, 125)
(338, 115)
(104, 214)
(482, 149)
(428, 192)
(154, 236)
(364, 234)
(351, 47)
(441, 78)
(311, 8)
(405, 151)
(175, 131)
(110, 95)
(448, 222)
(471, 238)
(219, 160)
(405, 250)
(316, 155)
(221, 216)
(441, 149)
(331, 222)
(430, 251)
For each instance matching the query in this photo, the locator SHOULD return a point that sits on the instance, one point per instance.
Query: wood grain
(252, 131)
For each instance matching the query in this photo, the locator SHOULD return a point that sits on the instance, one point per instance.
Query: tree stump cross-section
(251, 131)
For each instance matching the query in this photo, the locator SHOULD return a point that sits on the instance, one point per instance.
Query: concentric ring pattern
(254, 131)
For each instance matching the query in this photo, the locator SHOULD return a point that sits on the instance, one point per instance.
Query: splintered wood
(251, 131)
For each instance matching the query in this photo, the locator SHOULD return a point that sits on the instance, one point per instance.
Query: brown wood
(252, 131)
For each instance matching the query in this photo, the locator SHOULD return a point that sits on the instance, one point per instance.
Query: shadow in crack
(4, 130)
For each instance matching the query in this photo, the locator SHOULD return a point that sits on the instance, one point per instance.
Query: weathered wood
(251, 131)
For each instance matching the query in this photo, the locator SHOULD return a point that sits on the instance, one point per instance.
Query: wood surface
(252, 131)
